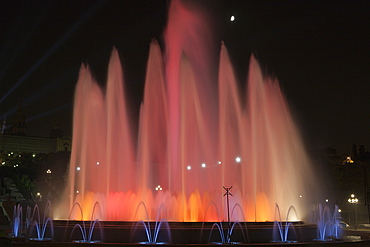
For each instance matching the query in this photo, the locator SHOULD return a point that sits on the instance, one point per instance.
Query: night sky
(318, 50)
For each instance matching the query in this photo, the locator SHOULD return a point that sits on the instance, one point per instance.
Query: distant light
(349, 160)
(77, 191)
(204, 165)
(188, 167)
(219, 162)
(238, 159)
(98, 163)
(78, 168)
(232, 18)
(339, 210)
(19, 156)
(158, 187)
(352, 199)
(300, 196)
(38, 194)
(33, 155)
(48, 171)
(327, 200)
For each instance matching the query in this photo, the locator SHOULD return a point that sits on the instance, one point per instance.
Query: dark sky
(318, 50)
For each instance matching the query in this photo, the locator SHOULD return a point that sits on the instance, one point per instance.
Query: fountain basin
(185, 232)
(117, 233)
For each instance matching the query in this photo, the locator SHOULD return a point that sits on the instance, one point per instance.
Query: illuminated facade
(27, 144)
(14, 138)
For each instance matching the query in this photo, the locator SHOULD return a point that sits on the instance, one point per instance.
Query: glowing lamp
(158, 187)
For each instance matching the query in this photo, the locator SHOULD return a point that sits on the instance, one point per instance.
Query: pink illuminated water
(193, 125)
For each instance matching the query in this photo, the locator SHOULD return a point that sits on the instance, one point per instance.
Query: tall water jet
(197, 132)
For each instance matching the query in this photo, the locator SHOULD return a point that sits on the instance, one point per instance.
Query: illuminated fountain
(40, 230)
(197, 132)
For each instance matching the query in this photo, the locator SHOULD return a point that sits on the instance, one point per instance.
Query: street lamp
(353, 200)
(158, 187)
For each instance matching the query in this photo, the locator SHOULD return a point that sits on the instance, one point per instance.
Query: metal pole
(355, 206)
(227, 193)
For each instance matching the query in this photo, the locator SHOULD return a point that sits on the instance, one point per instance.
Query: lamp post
(353, 200)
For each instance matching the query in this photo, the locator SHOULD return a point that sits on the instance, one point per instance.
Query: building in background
(14, 138)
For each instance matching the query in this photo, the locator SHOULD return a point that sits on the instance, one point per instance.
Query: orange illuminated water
(194, 123)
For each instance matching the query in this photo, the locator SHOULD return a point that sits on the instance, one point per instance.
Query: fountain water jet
(192, 126)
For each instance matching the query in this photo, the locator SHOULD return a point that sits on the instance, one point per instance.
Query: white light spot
(188, 167)
(78, 168)
(98, 163)
(158, 187)
(238, 159)
(232, 18)
(204, 165)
